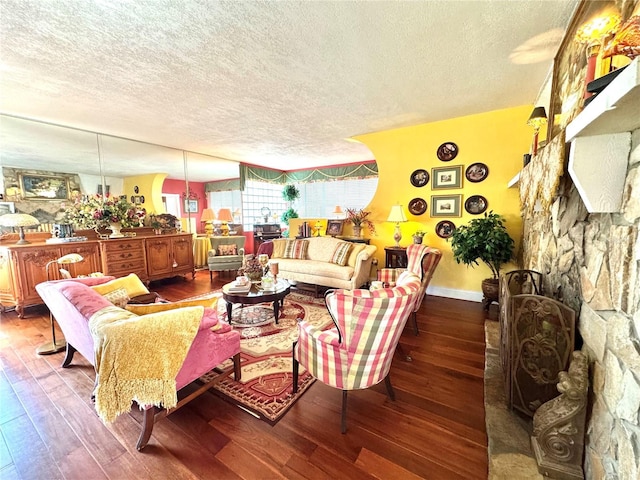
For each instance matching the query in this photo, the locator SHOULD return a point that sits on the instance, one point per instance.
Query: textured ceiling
(279, 84)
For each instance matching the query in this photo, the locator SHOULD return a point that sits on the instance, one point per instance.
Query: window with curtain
(257, 195)
(317, 199)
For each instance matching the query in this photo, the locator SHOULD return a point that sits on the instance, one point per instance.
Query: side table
(395, 257)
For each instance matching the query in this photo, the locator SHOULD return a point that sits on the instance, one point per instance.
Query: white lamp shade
(396, 214)
(18, 220)
(70, 258)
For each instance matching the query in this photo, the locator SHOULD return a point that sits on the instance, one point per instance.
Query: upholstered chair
(227, 253)
(422, 261)
(356, 353)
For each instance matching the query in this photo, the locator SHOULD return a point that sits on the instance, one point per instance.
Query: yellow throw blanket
(138, 357)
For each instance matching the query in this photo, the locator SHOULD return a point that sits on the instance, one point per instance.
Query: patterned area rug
(266, 387)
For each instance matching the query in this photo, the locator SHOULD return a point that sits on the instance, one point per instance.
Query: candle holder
(275, 269)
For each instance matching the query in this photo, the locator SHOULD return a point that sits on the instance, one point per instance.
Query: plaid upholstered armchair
(357, 352)
(422, 261)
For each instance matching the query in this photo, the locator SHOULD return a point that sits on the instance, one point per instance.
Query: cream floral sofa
(325, 261)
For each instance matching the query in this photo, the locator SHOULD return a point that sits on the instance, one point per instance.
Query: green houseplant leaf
(290, 193)
(484, 239)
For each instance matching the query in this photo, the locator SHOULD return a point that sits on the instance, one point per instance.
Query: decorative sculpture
(559, 424)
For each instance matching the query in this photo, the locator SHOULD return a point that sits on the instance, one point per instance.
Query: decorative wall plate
(419, 178)
(475, 204)
(476, 172)
(445, 228)
(447, 151)
(417, 206)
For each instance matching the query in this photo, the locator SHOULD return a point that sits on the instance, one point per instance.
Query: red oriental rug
(265, 389)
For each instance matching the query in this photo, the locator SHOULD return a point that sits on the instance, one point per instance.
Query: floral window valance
(247, 172)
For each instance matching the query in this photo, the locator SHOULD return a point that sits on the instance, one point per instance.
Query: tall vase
(115, 230)
(357, 231)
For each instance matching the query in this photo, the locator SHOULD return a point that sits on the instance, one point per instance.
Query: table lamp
(207, 218)
(54, 346)
(224, 215)
(397, 215)
(537, 119)
(19, 220)
(338, 211)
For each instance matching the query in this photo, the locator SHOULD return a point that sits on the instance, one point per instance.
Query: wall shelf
(600, 139)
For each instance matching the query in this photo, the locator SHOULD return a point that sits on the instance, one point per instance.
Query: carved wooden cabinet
(169, 255)
(22, 267)
(152, 257)
(122, 256)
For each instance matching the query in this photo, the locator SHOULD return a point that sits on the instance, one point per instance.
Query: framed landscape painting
(44, 187)
(445, 205)
(446, 177)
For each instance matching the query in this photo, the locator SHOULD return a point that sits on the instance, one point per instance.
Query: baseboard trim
(454, 293)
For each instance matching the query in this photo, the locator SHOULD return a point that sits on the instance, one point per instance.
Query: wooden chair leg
(68, 355)
(401, 351)
(296, 367)
(343, 423)
(148, 418)
(390, 392)
(237, 370)
(211, 275)
(414, 320)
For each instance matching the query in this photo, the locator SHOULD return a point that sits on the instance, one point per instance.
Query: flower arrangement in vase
(251, 268)
(97, 211)
(359, 219)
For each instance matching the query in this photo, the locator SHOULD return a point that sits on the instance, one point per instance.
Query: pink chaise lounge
(73, 303)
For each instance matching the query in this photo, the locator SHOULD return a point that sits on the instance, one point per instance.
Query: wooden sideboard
(154, 257)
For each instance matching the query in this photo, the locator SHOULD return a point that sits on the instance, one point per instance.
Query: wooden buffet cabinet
(152, 257)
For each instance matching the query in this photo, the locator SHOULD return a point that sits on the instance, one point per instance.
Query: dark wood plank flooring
(435, 429)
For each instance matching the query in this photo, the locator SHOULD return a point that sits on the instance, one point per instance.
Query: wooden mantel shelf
(601, 141)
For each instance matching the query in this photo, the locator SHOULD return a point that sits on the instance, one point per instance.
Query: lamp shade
(537, 118)
(396, 214)
(207, 215)
(70, 258)
(18, 220)
(337, 210)
(224, 215)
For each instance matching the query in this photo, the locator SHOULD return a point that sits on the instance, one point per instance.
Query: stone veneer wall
(591, 262)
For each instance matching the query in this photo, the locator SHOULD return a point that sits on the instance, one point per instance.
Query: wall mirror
(66, 160)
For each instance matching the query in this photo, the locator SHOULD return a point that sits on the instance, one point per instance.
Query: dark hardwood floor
(435, 429)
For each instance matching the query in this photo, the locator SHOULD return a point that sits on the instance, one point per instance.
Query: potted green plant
(418, 236)
(484, 239)
(288, 214)
(290, 193)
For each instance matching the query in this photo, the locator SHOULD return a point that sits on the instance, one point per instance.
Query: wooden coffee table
(257, 295)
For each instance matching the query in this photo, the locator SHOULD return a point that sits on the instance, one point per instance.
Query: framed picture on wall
(44, 187)
(445, 205)
(7, 207)
(446, 177)
(334, 227)
(191, 206)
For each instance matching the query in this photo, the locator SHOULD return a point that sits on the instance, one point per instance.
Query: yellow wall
(148, 185)
(499, 139)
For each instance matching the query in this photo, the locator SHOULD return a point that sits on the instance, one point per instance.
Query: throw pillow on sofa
(278, 247)
(119, 297)
(341, 253)
(224, 250)
(296, 249)
(131, 283)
